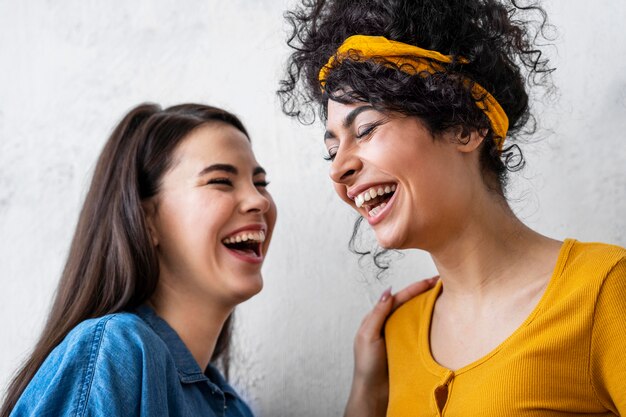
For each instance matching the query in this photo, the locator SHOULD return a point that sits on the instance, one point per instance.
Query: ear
(150, 212)
(469, 140)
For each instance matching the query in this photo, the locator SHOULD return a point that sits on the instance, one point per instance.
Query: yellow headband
(404, 56)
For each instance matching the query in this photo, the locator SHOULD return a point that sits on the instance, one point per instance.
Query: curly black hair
(500, 39)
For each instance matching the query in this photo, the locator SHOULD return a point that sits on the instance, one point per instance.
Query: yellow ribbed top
(568, 357)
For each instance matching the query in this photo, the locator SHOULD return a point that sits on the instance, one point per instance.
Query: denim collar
(188, 369)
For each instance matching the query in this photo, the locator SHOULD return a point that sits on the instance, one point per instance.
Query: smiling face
(413, 189)
(212, 219)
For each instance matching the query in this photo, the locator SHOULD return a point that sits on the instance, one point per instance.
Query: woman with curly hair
(423, 101)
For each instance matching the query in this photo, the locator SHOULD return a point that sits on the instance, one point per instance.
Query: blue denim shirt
(127, 364)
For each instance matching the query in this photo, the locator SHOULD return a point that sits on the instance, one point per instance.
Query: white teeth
(373, 192)
(373, 212)
(244, 237)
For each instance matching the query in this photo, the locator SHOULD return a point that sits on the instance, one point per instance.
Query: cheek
(191, 221)
(399, 152)
(270, 220)
(168, 222)
(182, 231)
(272, 214)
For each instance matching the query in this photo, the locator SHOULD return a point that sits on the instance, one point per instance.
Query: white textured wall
(70, 69)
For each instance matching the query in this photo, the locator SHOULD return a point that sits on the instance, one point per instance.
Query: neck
(492, 254)
(197, 322)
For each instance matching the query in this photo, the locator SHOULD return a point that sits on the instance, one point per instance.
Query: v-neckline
(426, 320)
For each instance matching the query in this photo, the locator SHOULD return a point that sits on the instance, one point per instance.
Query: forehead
(215, 142)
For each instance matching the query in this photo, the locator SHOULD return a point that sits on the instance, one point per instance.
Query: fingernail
(385, 295)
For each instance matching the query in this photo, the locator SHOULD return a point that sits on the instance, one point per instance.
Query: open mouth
(246, 243)
(375, 198)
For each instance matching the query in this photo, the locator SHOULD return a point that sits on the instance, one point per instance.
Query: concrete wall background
(71, 69)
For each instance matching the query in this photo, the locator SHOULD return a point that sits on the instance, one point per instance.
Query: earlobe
(149, 211)
(470, 140)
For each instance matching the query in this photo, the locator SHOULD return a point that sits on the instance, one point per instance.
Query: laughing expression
(213, 217)
(409, 186)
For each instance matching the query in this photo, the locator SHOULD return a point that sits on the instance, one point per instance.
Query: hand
(370, 384)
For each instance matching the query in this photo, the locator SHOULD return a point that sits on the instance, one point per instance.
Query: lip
(250, 259)
(352, 193)
(255, 260)
(383, 213)
(256, 227)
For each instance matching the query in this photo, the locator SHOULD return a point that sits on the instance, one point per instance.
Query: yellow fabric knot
(414, 60)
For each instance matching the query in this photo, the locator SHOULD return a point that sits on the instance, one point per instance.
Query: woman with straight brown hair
(172, 236)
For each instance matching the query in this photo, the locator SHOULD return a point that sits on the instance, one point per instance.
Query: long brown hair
(112, 265)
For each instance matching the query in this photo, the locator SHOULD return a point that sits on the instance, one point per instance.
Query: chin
(247, 289)
(386, 243)
(389, 240)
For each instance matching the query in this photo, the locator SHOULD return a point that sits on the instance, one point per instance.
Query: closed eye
(261, 184)
(220, 181)
(368, 129)
(332, 152)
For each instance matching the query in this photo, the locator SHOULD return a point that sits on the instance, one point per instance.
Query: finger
(372, 325)
(412, 291)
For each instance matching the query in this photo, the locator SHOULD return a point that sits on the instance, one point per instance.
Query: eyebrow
(219, 167)
(349, 119)
(228, 168)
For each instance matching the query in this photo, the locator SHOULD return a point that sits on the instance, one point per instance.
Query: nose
(255, 201)
(345, 165)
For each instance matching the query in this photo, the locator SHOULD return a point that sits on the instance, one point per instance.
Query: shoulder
(120, 345)
(612, 294)
(594, 279)
(125, 333)
(120, 326)
(412, 313)
(590, 263)
(608, 338)
(97, 357)
(595, 255)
